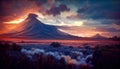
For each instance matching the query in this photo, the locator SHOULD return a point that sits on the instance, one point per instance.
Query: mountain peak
(32, 16)
(98, 36)
(32, 19)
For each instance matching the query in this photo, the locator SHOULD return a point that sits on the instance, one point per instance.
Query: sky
(77, 17)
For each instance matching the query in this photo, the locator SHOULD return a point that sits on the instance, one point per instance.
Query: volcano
(98, 36)
(31, 27)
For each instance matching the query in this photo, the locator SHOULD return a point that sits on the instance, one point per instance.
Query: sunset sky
(77, 17)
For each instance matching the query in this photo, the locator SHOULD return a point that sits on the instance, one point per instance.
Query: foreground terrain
(56, 56)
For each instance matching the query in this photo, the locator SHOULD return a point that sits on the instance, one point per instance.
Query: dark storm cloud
(57, 10)
(108, 9)
(117, 22)
(71, 1)
(9, 8)
(113, 15)
(39, 2)
(4, 9)
(82, 10)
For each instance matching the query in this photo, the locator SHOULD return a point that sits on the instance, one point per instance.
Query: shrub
(106, 57)
(55, 44)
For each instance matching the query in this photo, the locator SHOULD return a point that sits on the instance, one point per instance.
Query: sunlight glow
(15, 21)
(78, 23)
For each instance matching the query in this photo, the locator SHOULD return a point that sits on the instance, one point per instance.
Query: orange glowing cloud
(19, 13)
(7, 27)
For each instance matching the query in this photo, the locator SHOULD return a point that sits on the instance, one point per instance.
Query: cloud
(4, 9)
(100, 10)
(40, 2)
(73, 16)
(6, 27)
(13, 9)
(83, 9)
(99, 22)
(107, 14)
(112, 15)
(107, 29)
(1, 26)
(103, 25)
(116, 26)
(57, 10)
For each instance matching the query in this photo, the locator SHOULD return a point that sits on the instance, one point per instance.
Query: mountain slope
(33, 28)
